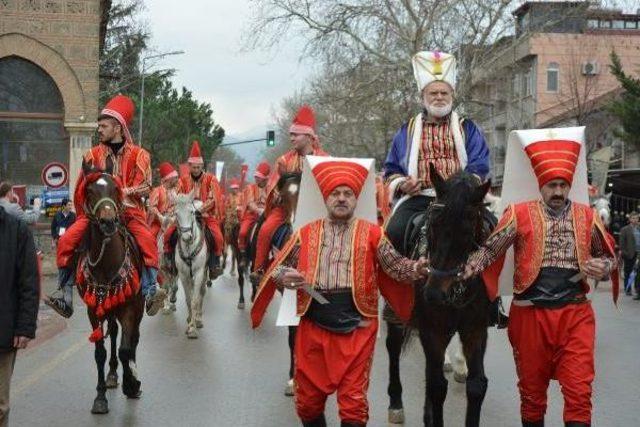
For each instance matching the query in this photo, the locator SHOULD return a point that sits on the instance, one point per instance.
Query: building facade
(49, 55)
(555, 72)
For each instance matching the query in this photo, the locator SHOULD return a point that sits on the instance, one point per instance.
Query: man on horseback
(205, 188)
(118, 155)
(437, 135)
(558, 244)
(305, 142)
(255, 198)
(346, 261)
(162, 199)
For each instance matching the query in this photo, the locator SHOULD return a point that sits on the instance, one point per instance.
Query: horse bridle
(189, 259)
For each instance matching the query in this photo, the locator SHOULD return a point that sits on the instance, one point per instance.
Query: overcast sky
(241, 87)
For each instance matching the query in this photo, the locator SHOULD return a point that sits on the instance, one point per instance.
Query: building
(49, 51)
(554, 72)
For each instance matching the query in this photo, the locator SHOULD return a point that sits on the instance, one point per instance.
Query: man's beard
(439, 112)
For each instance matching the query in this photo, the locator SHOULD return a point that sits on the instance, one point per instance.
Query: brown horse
(231, 233)
(288, 189)
(109, 284)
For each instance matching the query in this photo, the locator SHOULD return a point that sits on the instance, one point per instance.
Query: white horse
(191, 259)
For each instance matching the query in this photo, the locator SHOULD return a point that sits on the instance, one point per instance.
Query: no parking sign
(55, 175)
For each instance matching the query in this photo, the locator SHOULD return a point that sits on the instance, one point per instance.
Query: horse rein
(189, 259)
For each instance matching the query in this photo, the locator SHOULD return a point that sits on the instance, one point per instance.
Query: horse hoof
(396, 416)
(173, 307)
(100, 406)
(240, 306)
(135, 395)
(199, 324)
(448, 367)
(460, 377)
(112, 381)
(192, 333)
(288, 390)
(209, 283)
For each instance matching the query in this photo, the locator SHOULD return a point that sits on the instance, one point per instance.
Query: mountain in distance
(251, 152)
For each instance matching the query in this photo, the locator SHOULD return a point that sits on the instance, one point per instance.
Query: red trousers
(212, 224)
(277, 216)
(554, 344)
(326, 362)
(136, 224)
(248, 220)
(155, 229)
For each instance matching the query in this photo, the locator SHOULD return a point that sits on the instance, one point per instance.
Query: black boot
(351, 424)
(533, 423)
(170, 263)
(576, 424)
(214, 267)
(63, 305)
(318, 422)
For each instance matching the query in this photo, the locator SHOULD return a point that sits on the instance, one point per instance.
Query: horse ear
(436, 179)
(481, 191)
(86, 167)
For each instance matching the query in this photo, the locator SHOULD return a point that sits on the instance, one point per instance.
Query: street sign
(53, 199)
(55, 175)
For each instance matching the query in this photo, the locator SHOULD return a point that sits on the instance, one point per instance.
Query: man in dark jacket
(19, 290)
(630, 247)
(62, 220)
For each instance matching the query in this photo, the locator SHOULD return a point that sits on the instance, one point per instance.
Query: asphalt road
(233, 376)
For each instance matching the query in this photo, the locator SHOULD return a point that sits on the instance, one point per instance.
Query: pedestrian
(62, 220)
(19, 289)
(558, 244)
(7, 201)
(630, 248)
(346, 261)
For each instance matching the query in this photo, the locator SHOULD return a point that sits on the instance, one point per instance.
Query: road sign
(55, 175)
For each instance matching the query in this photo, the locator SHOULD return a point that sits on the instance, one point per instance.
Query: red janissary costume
(162, 198)
(255, 198)
(382, 200)
(350, 262)
(290, 162)
(551, 322)
(206, 189)
(132, 165)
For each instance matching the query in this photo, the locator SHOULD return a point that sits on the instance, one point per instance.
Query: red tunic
(207, 189)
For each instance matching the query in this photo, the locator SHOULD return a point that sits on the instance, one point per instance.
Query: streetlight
(144, 65)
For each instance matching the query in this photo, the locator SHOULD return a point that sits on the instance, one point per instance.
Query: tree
(627, 107)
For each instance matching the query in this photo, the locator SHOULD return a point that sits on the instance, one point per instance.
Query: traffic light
(271, 138)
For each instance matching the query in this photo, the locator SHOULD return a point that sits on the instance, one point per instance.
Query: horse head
(454, 225)
(289, 189)
(102, 197)
(602, 207)
(185, 211)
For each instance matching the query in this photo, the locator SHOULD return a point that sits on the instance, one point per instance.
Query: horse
(109, 282)
(602, 207)
(288, 189)
(231, 233)
(455, 225)
(191, 259)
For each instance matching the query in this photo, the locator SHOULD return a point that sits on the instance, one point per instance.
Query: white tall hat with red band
(545, 150)
(195, 156)
(312, 207)
(167, 171)
(434, 66)
(304, 122)
(121, 108)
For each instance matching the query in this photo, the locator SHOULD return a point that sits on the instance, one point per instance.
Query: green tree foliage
(627, 107)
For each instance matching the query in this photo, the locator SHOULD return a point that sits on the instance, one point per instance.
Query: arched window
(32, 130)
(553, 77)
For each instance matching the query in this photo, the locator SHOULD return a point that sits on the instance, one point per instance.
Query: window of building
(515, 86)
(593, 23)
(630, 24)
(553, 74)
(32, 132)
(605, 24)
(618, 24)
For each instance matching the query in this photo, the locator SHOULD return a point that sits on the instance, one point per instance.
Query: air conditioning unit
(590, 68)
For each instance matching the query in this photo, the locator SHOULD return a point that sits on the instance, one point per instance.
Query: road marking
(48, 367)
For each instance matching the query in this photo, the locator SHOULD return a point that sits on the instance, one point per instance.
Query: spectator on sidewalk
(19, 290)
(7, 201)
(630, 248)
(62, 220)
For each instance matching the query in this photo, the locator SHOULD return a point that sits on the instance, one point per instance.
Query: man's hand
(469, 270)
(291, 278)
(20, 342)
(422, 267)
(596, 268)
(410, 186)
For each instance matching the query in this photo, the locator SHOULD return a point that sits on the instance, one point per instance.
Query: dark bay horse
(455, 226)
(110, 286)
(231, 234)
(288, 189)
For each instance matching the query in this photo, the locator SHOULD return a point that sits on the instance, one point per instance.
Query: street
(233, 376)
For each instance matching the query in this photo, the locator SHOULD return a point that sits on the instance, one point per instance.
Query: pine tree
(627, 107)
